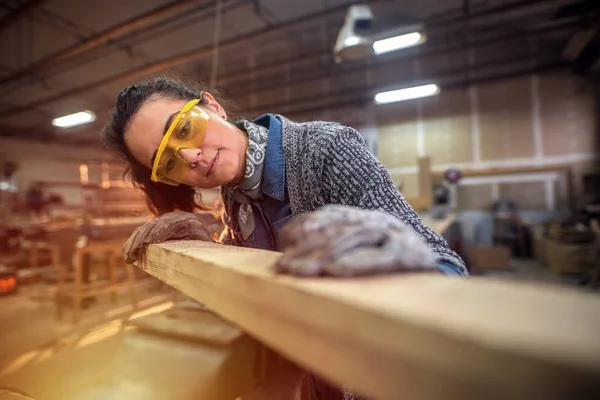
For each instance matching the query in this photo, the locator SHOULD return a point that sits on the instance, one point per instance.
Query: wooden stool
(80, 289)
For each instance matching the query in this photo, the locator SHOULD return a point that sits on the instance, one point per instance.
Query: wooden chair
(83, 285)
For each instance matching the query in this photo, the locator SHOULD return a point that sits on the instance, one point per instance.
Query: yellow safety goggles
(187, 131)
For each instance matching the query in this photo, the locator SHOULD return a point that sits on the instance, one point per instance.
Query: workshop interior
(482, 115)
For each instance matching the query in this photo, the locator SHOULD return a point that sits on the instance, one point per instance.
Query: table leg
(77, 289)
(33, 254)
(130, 284)
(112, 276)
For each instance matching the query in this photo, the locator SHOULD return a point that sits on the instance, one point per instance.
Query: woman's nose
(191, 156)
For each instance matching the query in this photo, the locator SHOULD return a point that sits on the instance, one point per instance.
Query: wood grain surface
(401, 336)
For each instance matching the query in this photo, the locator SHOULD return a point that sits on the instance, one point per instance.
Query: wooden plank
(425, 179)
(416, 337)
(424, 185)
(439, 225)
(100, 246)
(507, 170)
(419, 203)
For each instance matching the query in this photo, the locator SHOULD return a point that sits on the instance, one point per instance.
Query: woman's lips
(213, 164)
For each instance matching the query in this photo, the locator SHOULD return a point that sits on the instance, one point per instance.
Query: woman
(349, 219)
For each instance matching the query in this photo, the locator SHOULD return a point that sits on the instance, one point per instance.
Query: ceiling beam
(100, 39)
(274, 66)
(33, 133)
(14, 15)
(73, 30)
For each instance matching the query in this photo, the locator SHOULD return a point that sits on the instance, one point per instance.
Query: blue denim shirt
(272, 212)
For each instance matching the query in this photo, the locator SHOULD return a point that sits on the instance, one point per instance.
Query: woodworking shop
(299, 200)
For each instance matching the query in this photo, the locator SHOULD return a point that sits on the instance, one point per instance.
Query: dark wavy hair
(160, 198)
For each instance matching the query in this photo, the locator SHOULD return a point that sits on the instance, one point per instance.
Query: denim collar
(273, 183)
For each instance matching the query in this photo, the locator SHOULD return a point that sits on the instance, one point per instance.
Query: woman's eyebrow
(167, 125)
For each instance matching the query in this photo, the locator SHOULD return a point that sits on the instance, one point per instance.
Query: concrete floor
(56, 360)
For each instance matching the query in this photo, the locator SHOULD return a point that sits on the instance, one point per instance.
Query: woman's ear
(210, 101)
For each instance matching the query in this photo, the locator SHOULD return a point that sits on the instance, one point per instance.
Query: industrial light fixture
(80, 118)
(356, 39)
(411, 93)
(353, 42)
(398, 42)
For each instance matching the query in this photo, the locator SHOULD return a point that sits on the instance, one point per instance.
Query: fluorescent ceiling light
(398, 42)
(407, 94)
(80, 118)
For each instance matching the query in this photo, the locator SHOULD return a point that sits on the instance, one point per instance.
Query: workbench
(81, 287)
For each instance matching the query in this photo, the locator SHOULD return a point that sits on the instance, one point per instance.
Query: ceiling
(63, 56)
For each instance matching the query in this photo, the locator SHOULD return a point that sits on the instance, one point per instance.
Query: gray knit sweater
(328, 163)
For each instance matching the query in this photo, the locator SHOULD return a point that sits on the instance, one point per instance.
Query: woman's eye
(184, 131)
(170, 165)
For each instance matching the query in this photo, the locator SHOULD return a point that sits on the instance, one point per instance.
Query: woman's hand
(177, 225)
(348, 241)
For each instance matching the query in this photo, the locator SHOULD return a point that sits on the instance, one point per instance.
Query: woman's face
(220, 159)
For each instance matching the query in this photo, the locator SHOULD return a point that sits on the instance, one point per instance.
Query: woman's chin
(214, 180)
(222, 176)
(201, 185)
(195, 181)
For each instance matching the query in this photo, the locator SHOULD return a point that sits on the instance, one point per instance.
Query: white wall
(532, 121)
(49, 162)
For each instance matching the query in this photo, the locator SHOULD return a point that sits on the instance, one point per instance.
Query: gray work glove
(176, 225)
(348, 241)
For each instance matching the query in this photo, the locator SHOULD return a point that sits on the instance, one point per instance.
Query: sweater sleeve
(352, 176)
